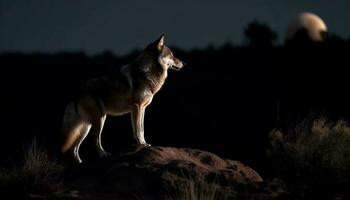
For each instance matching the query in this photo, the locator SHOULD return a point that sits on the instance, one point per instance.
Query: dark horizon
(95, 27)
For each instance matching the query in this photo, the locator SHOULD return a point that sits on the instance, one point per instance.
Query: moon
(313, 24)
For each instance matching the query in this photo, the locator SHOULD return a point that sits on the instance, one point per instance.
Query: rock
(156, 172)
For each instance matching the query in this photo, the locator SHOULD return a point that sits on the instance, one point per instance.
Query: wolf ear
(160, 42)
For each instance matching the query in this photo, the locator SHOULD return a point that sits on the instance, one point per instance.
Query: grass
(37, 174)
(190, 187)
(315, 155)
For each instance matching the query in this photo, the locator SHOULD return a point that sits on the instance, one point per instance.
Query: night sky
(95, 26)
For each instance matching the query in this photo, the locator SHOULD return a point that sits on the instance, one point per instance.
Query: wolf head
(164, 56)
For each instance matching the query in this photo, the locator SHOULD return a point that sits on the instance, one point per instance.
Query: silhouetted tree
(334, 39)
(300, 38)
(303, 38)
(259, 34)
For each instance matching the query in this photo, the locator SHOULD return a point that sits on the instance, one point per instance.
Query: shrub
(37, 174)
(315, 155)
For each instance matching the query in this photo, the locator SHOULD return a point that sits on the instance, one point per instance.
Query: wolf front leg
(137, 118)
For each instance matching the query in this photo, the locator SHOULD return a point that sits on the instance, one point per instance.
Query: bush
(314, 157)
(37, 174)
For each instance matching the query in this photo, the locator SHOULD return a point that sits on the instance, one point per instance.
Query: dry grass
(37, 174)
(316, 153)
(190, 187)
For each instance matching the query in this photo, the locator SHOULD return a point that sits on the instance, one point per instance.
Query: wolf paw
(145, 145)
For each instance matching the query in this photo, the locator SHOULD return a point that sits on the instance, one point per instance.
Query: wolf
(130, 90)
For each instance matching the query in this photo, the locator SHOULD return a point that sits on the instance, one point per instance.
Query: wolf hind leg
(83, 130)
(74, 131)
(74, 137)
(96, 130)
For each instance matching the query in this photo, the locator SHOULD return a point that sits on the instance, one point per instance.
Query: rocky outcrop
(165, 173)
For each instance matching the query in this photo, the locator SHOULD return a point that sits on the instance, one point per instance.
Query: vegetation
(259, 34)
(190, 187)
(314, 157)
(36, 175)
